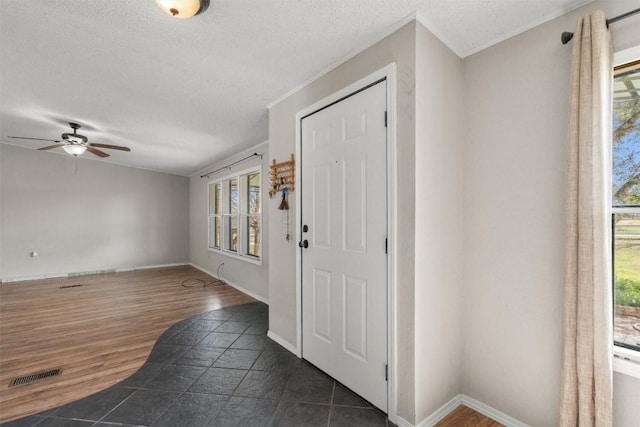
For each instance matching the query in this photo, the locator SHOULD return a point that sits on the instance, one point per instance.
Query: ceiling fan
(76, 144)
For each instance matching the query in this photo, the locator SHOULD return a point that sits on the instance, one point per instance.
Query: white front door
(344, 266)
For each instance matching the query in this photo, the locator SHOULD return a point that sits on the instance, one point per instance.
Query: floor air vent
(69, 286)
(35, 377)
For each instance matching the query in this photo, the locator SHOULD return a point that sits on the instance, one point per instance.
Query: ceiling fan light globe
(182, 8)
(74, 150)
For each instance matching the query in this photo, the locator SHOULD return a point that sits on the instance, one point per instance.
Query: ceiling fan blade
(112, 147)
(97, 152)
(35, 139)
(52, 146)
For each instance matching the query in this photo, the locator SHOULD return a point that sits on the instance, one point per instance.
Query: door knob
(304, 244)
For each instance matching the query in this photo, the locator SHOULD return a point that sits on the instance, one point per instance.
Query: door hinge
(386, 372)
(386, 246)
(385, 119)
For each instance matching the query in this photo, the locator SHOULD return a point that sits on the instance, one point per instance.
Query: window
(215, 214)
(235, 215)
(626, 205)
(253, 214)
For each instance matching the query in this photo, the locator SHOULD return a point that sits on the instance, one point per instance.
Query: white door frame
(388, 73)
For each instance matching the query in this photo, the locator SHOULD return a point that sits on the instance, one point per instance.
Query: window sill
(626, 361)
(249, 259)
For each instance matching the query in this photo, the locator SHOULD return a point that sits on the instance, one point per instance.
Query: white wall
(252, 278)
(626, 395)
(517, 103)
(105, 216)
(438, 238)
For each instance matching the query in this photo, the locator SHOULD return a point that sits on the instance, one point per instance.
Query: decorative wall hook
(282, 176)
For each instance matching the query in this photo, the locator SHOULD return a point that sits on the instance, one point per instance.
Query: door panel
(344, 268)
(321, 224)
(355, 208)
(322, 304)
(355, 315)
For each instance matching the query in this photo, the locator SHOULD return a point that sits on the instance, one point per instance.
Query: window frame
(225, 215)
(626, 360)
(617, 209)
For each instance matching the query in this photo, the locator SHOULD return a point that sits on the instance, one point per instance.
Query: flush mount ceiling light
(183, 8)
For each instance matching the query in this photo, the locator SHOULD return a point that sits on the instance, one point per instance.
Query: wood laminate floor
(463, 416)
(103, 331)
(218, 369)
(99, 333)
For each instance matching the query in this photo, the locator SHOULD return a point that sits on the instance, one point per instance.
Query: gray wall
(428, 274)
(481, 167)
(481, 170)
(105, 216)
(249, 277)
(517, 103)
(398, 47)
(439, 227)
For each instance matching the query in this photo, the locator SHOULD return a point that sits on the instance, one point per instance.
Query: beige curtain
(586, 391)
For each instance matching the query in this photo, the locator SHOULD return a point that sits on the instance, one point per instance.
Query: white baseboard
(34, 277)
(233, 285)
(462, 399)
(87, 273)
(147, 267)
(441, 412)
(490, 412)
(401, 422)
(286, 344)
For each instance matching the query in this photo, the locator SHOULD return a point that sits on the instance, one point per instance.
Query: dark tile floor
(218, 369)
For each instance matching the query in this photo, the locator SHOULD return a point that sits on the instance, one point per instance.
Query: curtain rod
(567, 36)
(232, 164)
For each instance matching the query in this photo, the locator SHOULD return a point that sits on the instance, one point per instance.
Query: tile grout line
(183, 392)
(117, 406)
(174, 364)
(231, 395)
(167, 408)
(143, 384)
(333, 392)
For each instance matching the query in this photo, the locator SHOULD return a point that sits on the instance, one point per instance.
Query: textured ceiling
(186, 93)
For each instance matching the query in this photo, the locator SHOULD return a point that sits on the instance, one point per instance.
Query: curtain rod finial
(566, 37)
